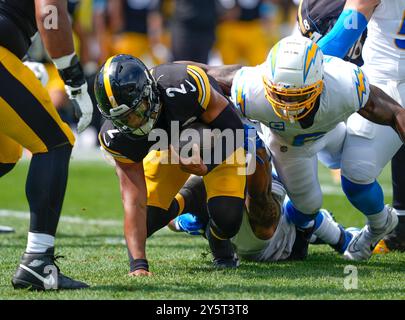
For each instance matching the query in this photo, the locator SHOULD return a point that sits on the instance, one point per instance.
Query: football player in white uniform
(267, 233)
(373, 144)
(304, 99)
(384, 57)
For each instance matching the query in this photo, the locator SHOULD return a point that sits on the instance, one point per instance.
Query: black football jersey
(22, 15)
(317, 17)
(185, 92)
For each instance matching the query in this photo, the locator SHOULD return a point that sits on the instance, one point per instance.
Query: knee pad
(362, 172)
(225, 216)
(6, 168)
(310, 203)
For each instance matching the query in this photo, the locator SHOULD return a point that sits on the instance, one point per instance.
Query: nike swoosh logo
(49, 281)
(352, 246)
(106, 142)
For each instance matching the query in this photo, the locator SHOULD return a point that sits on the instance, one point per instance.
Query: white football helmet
(292, 77)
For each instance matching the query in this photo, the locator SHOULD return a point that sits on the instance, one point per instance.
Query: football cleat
(226, 263)
(396, 239)
(187, 223)
(362, 245)
(4, 229)
(38, 271)
(222, 251)
(345, 237)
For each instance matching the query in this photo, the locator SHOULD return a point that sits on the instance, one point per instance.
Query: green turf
(181, 264)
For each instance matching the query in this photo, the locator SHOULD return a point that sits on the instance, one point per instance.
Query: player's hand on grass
(140, 273)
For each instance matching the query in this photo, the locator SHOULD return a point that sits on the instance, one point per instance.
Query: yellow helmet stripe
(107, 83)
(300, 21)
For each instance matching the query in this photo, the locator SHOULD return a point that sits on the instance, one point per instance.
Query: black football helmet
(127, 94)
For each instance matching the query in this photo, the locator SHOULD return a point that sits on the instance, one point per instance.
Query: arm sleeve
(344, 34)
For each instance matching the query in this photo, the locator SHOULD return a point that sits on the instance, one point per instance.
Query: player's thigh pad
(229, 178)
(299, 173)
(26, 111)
(10, 151)
(331, 154)
(163, 180)
(367, 149)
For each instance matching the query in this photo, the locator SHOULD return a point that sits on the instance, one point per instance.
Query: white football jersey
(384, 49)
(278, 247)
(346, 90)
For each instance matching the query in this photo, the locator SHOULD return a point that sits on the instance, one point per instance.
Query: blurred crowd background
(159, 31)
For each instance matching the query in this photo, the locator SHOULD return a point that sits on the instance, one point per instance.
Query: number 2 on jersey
(398, 42)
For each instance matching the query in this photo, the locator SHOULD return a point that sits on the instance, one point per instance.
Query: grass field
(90, 237)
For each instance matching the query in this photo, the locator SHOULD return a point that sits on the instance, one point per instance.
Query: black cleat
(226, 263)
(396, 239)
(38, 271)
(222, 251)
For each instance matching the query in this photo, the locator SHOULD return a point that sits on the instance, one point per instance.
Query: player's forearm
(384, 110)
(133, 194)
(135, 229)
(366, 7)
(258, 182)
(56, 31)
(344, 34)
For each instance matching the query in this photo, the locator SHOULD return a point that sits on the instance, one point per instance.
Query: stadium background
(90, 231)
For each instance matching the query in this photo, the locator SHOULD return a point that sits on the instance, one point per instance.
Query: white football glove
(39, 70)
(83, 105)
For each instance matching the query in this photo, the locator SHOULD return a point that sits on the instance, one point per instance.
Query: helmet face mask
(127, 95)
(290, 103)
(293, 77)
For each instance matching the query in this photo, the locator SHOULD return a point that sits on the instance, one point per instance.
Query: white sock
(39, 242)
(328, 231)
(378, 220)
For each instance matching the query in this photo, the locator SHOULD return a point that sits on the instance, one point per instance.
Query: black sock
(45, 188)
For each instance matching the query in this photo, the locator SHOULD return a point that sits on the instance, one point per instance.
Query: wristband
(70, 70)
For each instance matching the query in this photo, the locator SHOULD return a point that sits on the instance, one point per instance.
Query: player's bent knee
(309, 204)
(226, 215)
(360, 171)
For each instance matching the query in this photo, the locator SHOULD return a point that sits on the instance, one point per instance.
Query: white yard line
(65, 219)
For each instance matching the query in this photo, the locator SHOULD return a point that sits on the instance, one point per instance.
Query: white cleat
(362, 245)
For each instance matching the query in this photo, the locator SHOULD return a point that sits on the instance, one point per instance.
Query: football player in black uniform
(316, 18)
(135, 101)
(29, 119)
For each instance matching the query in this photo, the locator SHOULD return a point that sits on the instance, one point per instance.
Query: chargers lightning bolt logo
(310, 58)
(360, 86)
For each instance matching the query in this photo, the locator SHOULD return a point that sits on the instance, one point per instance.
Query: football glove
(76, 89)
